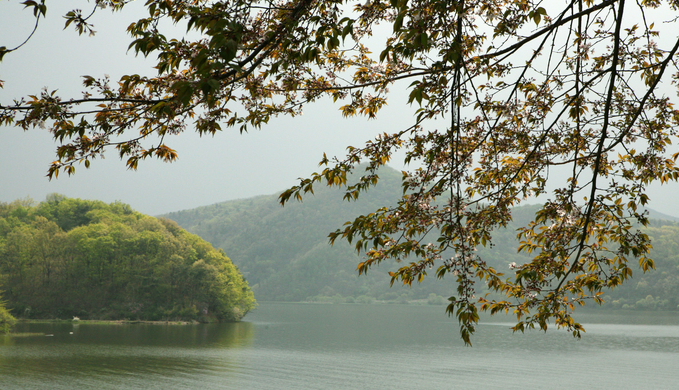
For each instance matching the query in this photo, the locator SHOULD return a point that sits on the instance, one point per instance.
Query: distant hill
(284, 253)
(660, 218)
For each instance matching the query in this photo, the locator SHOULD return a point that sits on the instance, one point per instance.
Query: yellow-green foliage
(71, 257)
(6, 319)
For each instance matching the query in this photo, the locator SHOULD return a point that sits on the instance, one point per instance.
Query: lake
(314, 346)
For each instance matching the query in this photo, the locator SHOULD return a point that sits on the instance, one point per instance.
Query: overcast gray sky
(209, 170)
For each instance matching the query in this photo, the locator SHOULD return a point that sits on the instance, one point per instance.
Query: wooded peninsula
(66, 258)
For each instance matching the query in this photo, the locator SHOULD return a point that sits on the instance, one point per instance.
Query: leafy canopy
(506, 92)
(69, 257)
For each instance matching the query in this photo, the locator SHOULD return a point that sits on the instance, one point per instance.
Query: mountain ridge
(284, 251)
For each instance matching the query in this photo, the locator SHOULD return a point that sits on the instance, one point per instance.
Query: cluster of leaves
(507, 91)
(583, 98)
(69, 257)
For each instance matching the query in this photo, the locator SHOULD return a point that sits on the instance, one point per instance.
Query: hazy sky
(209, 170)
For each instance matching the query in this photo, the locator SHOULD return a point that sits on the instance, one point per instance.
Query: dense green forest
(70, 257)
(284, 251)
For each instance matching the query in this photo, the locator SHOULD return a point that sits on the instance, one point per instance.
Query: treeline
(70, 257)
(284, 251)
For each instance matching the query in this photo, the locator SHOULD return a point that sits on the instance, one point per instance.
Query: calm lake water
(308, 346)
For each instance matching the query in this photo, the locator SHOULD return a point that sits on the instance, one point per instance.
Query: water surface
(309, 346)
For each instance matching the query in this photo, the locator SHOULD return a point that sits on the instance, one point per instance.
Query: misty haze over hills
(285, 255)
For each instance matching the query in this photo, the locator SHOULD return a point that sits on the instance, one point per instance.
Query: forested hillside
(70, 257)
(284, 253)
(658, 289)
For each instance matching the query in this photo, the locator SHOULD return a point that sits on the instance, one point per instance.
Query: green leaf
(230, 50)
(398, 23)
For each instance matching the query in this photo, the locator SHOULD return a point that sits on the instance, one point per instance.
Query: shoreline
(12, 333)
(105, 322)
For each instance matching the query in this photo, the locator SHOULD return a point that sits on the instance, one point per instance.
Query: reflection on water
(343, 347)
(83, 355)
